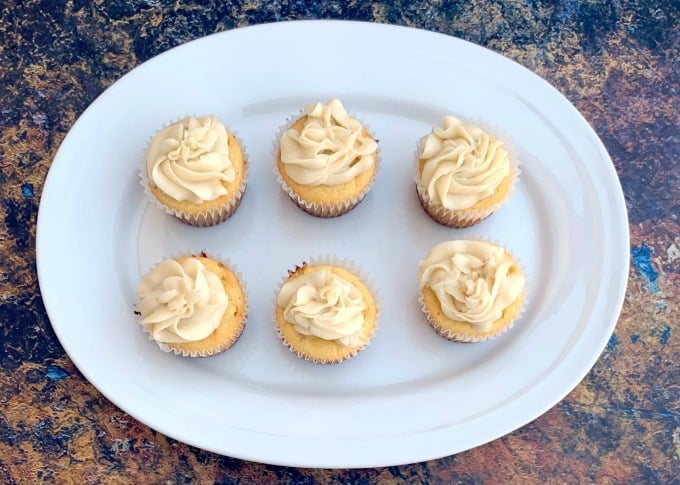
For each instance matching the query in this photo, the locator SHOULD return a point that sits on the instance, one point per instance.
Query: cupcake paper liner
(467, 217)
(209, 217)
(216, 349)
(315, 208)
(348, 265)
(469, 339)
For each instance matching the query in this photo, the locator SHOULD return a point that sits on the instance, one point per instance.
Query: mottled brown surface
(616, 61)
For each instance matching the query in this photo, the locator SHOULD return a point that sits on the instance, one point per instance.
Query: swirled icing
(474, 281)
(332, 148)
(322, 304)
(189, 160)
(181, 302)
(461, 164)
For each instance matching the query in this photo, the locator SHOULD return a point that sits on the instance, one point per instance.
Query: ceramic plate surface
(411, 395)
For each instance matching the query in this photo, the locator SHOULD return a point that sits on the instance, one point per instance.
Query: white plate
(411, 395)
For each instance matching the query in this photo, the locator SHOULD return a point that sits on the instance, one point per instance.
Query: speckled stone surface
(618, 62)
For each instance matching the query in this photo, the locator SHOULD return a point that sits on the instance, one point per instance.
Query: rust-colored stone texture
(616, 61)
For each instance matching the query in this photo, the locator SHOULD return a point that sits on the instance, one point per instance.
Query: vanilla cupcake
(463, 173)
(326, 160)
(196, 170)
(192, 306)
(470, 290)
(325, 313)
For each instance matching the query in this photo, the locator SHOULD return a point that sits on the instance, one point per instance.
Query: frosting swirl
(330, 149)
(461, 164)
(474, 281)
(322, 304)
(181, 302)
(189, 160)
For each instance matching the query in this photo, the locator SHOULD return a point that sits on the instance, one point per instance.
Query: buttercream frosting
(462, 164)
(189, 160)
(331, 148)
(181, 302)
(322, 304)
(474, 281)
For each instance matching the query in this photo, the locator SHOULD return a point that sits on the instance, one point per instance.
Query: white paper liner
(215, 350)
(315, 208)
(463, 338)
(352, 267)
(209, 217)
(466, 217)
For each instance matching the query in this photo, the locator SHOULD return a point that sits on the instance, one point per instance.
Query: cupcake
(196, 170)
(470, 290)
(325, 313)
(194, 306)
(463, 173)
(326, 160)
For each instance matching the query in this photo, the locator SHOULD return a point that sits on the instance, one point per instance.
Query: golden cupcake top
(332, 148)
(189, 160)
(181, 302)
(474, 281)
(322, 304)
(460, 164)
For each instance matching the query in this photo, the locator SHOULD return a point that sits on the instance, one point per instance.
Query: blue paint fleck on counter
(665, 335)
(27, 190)
(56, 373)
(634, 338)
(613, 342)
(642, 260)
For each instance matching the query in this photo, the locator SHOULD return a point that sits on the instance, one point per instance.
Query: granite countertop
(617, 62)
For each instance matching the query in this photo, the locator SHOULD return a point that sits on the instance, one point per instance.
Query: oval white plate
(411, 395)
